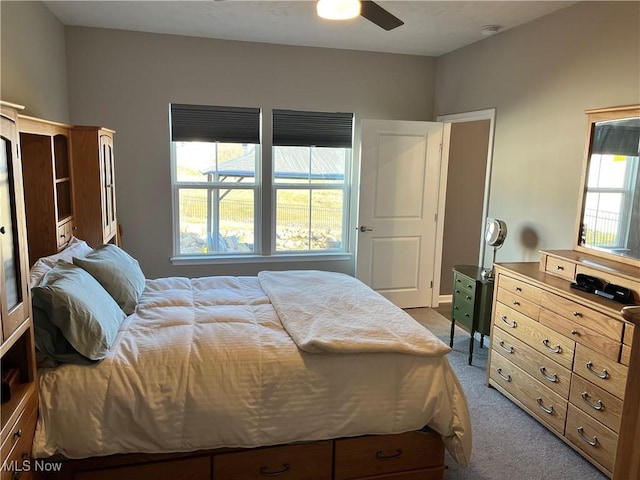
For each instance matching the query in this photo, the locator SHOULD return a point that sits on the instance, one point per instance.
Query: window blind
(616, 140)
(204, 123)
(321, 129)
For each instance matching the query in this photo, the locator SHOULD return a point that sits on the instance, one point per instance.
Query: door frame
(487, 114)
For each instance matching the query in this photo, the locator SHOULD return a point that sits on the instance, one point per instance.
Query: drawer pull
(604, 375)
(469, 285)
(516, 303)
(17, 434)
(518, 289)
(552, 378)
(576, 314)
(544, 409)
(506, 349)
(597, 406)
(510, 324)
(506, 377)
(556, 349)
(457, 291)
(382, 456)
(575, 332)
(593, 442)
(266, 473)
(468, 297)
(559, 267)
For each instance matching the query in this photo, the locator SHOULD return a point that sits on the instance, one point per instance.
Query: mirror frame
(594, 116)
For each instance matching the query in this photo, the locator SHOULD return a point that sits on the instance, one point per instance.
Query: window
(311, 166)
(220, 193)
(611, 182)
(216, 178)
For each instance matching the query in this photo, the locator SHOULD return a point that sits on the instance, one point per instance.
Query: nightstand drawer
(462, 312)
(464, 283)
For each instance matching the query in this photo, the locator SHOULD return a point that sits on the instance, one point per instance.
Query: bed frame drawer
(198, 468)
(309, 461)
(373, 456)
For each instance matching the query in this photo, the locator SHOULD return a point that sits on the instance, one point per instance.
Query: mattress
(206, 363)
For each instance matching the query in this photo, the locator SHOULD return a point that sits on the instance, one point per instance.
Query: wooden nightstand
(471, 303)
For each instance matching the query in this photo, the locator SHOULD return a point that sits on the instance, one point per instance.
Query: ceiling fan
(345, 9)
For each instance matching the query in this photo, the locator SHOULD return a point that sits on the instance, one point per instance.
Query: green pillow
(51, 342)
(77, 304)
(118, 272)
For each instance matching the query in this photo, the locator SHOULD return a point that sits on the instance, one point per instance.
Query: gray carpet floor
(508, 443)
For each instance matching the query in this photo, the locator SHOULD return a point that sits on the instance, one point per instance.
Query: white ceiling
(431, 28)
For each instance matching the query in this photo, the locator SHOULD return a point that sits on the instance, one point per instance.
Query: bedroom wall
(33, 60)
(126, 80)
(541, 77)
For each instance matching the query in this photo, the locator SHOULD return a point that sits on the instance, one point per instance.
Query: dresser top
(530, 271)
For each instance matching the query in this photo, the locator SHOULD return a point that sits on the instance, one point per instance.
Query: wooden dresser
(562, 354)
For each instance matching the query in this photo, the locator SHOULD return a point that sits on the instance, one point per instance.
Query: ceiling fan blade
(378, 15)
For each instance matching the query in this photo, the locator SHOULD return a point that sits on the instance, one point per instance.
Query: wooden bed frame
(404, 456)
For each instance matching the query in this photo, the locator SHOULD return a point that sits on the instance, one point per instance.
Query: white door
(398, 250)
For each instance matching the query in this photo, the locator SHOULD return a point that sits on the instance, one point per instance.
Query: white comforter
(206, 363)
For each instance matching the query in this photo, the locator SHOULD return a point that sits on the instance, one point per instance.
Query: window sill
(258, 259)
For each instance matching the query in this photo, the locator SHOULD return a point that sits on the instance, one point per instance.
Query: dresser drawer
(596, 402)
(518, 303)
(605, 325)
(601, 371)
(16, 449)
(627, 339)
(378, 455)
(544, 404)
(550, 343)
(606, 346)
(520, 288)
(560, 268)
(625, 355)
(591, 437)
(308, 461)
(549, 373)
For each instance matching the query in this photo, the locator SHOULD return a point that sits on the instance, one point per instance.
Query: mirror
(609, 222)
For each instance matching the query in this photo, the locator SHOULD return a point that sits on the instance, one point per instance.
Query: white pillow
(75, 248)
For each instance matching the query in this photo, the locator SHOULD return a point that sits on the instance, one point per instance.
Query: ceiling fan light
(338, 9)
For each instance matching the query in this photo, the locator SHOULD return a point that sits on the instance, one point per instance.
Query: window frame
(264, 225)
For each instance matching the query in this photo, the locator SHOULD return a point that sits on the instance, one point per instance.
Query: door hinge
(440, 147)
(431, 284)
(435, 218)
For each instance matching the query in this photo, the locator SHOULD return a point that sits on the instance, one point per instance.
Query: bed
(307, 374)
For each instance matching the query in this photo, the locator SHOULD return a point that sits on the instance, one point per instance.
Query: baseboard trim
(445, 299)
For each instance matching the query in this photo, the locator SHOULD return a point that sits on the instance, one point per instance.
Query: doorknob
(364, 228)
